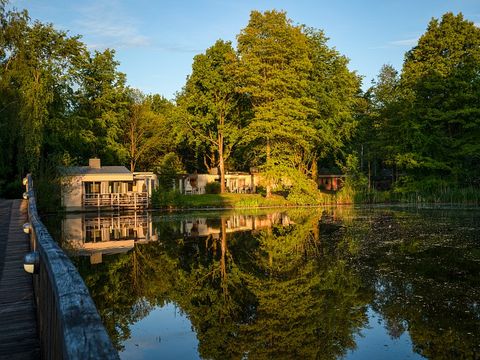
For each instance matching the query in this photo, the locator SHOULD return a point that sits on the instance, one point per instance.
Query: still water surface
(331, 283)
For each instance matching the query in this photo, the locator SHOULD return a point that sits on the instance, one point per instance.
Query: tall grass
(346, 195)
(440, 195)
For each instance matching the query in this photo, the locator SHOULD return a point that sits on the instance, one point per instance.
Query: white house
(235, 182)
(111, 187)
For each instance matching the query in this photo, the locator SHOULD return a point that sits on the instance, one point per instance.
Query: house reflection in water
(96, 235)
(201, 227)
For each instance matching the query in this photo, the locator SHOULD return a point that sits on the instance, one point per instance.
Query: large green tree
(37, 70)
(209, 100)
(439, 120)
(377, 133)
(143, 133)
(274, 73)
(102, 109)
(335, 91)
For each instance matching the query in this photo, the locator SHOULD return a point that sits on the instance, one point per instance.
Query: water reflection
(296, 284)
(95, 235)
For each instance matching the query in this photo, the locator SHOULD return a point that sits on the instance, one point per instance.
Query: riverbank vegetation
(282, 101)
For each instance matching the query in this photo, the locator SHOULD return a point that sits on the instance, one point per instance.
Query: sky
(155, 41)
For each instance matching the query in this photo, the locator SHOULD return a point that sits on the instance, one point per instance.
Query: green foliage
(58, 100)
(209, 101)
(335, 92)
(355, 178)
(144, 139)
(261, 190)
(213, 188)
(167, 171)
(171, 199)
(282, 101)
(425, 123)
(273, 72)
(167, 199)
(248, 202)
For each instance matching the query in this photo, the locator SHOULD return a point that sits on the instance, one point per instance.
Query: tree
(142, 126)
(335, 91)
(209, 99)
(273, 73)
(37, 61)
(377, 132)
(440, 122)
(101, 109)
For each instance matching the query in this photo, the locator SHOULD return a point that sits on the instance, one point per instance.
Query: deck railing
(131, 200)
(68, 321)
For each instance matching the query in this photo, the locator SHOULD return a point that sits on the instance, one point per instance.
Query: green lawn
(222, 201)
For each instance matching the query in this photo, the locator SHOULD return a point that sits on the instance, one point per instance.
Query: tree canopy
(282, 101)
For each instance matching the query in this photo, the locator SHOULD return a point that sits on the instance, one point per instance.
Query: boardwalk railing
(68, 321)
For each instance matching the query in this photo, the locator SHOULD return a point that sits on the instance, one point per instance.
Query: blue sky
(155, 41)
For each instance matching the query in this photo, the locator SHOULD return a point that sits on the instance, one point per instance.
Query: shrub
(161, 199)
(212, 188)
(261, 190)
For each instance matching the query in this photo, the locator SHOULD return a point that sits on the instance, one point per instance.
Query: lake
(328, 283)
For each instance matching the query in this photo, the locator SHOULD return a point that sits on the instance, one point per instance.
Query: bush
(261, 190)
(213, 188)
(161, 199)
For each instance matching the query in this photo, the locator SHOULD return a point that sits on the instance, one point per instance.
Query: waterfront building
(106, 187)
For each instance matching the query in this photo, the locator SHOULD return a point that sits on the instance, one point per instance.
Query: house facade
(235, 182)
(108, 187)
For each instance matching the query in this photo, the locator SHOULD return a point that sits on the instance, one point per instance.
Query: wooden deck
(18, 324)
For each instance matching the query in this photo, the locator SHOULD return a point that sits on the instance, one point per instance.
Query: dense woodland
(281, 100)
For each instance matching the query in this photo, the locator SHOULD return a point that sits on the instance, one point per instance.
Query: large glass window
(92, 187)
(115, 187)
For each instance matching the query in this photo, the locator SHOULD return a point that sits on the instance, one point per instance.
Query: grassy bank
(172, 200)
(175, 200)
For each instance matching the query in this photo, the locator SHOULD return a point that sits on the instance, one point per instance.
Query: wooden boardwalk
(18, 324)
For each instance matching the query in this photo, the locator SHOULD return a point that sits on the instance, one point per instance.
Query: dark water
(333, 283)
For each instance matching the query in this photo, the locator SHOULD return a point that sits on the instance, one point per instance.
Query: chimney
(94, 163)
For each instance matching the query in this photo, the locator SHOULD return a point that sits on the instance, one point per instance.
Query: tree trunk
(268, 187)
(221, 162)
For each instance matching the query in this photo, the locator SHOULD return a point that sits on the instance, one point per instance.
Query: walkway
(18, 324)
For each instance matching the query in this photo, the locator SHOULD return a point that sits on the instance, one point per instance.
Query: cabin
(330, 182)
(105, 187)
(235, 182)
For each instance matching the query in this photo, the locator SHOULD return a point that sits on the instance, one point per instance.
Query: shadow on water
(301, 283)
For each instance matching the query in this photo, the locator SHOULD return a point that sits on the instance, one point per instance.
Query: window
(92, 187)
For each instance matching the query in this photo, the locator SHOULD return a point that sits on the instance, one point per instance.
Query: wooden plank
(18, 323)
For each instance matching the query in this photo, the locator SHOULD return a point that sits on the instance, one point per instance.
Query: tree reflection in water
(301, 288)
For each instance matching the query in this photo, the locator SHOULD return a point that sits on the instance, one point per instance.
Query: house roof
(87, 170)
